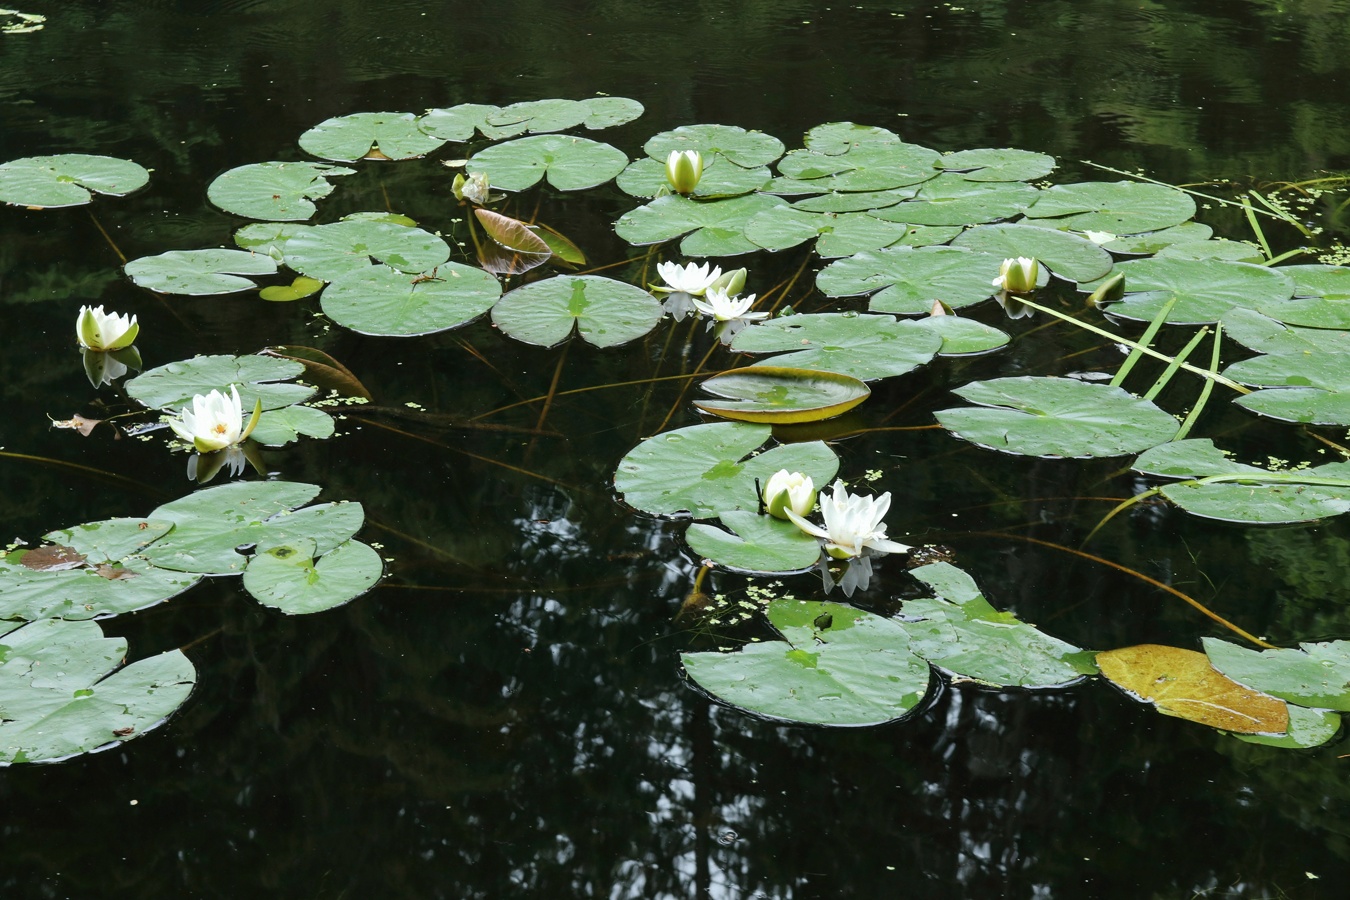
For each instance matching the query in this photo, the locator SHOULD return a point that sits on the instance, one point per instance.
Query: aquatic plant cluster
(921, 234)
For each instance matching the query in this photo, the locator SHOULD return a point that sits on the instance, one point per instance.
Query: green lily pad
(286, 576)
(458, 123)
(854, 234)
(838, 666)
(1305, 372)
(1206, 289)
(834, 138)
(329, 252)
(1151, 242)
(964, 635)
(69, 179)
(998, 165)
(874, 166)
(755, 544)
(913, 278)
(379, 300)
(571, 163)
(1234, 492)
(277, 191)
(866, 347)
(357, 136)
(1317, 675)
(781, 396)
(1057, 417)
(172, 386)
(267, 238)
(539, 116)
(300, 288)
(963, 337)
(707, 470)
(199, 272)
(1121, 207)
(748, 149)
(854, 201)
(1067, 255)
(282, 426)
(607, 112)
(952, 200)
(64, 691)
(605, 312)
(713, 228)
(1221, 248)
(1321, 297)
(721, 178)
(1308, 728)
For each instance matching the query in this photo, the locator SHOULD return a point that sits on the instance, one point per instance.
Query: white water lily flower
(691, 278)
(216, 421)
(789, 491)
(684, 168)
(104, 331)
(1018, 276)
(728, 309)
(476, 188)
(852, 524)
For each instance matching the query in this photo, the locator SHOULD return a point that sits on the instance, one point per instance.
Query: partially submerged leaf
(782, 395)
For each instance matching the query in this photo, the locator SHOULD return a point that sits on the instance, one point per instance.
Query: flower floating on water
(853, 525)
(216, 421)
(684, 168)
(789, 491)
(1018, 276)
(691, 278)
(103, 331)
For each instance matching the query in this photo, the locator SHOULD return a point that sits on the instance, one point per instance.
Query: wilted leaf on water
(78, 423)
(512, 247)
(781, 395)
(322, 370)
(1182, 683)
(52, 558)
(1318, 675)
(1307, 728)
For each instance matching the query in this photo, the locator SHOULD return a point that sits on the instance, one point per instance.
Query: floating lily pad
(329, 252)
(913, 278)
(199, 272)
(1068, 255)
(1321, 297)
(282, 426)
(380, 135)
(952, 200)
(1057, 417)
(1151, 242)
(539, 116)
(173, 386)
(721, 178)
(1318, 675)
(277, 191)
(1182, 683)
(838, 666)
(63, 693)
(1234, 492)
(875, 166)
(748, 149)
(866, 347)
(964, 635)
(458, 123)
(605, 312)
(286, 576)
(301, 287)
(607, 112)
(1308, 728)
(1222, 248)
(854, 201)
(69, 179)
(755, 543)
(854, 234)
(1305, 371)
(963, 337)
(571, 163)
(998, 165)
(707, 470)
(383, 301)
(781, 396)
(834, 138)
(713, 228)
(267, 238)
(1205, 289)
(1121, 207)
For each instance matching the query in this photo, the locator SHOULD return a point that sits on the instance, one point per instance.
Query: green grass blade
(1145, 340)
(1205, 390)
(1176, 363)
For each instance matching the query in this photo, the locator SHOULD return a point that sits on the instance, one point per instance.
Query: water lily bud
(97, 330)
(731, 283)
(1018, 276)
(475, 188)
(789, 491)
(683, 170)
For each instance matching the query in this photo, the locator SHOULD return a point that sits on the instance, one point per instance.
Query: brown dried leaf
(52, 558)
(113, 573)
(77, 423)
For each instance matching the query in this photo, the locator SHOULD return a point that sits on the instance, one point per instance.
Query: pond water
(506, 713)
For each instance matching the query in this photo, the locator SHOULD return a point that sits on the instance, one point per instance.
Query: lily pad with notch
(605, 312)
(755, 544)
(173, 385)
(329, 252)
(748, 149)
(988, 164)
(1206, 289)
(873, 166)
(1120, 207)
(375, 135)
(68, 179)
(910, 279)
(200, 272)
(286, 576)
(274, 191)
(379, 300)
(950, 199)
(1303, 373)
(867, 347)
(963, 337)
(570, 163)
(721, 178)
(781, 395)
(711, 228)
(837, 666)
(1067, 255)
(283, 426)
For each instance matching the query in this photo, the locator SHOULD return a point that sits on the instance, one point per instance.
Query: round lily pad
(749, 149)
(952, 200)
(866, 347)
(781, 396)
(854, 201)
(605, 312)
(713, 228)
(963, 337)
(1205, 289)
(607, 112)
(69, 179)
(277, 191)
(866, 167)
(282, 426)
(1057, 417)
(380, 300)
(1067, 255)
(199, 272)
(458, 123)
(1121, 207)
(539, 116)
(329, 252)
(287, 577)
(172, 386)
(721, 178)
(379, 135)
(755, 544)
(913, 278)
(835, 138)
(998, 165)
(571, 163)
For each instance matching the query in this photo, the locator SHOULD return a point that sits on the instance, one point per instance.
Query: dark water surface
(505, 715)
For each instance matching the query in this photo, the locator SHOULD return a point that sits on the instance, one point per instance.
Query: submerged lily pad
(1057, 417)
(1182, 683)
(329, 252)
(69, 179)
(707, 470)
(380, 135)
(199, 272)
(380, 300)
(287, 577)
(913, 278)
(1318, 675)
(713, 228)
(1121, 207)
(867, 347)
(571, 163)
(172, 386)
(781, 396)
(756, 543)
(276, 191)
(838, 666)
(64, 691)
(605, 312)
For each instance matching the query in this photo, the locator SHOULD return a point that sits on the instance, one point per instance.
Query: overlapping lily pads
(604, 312)
(911, 279)
(712, 228)
(68, 179)
(1315, 675)
(328, 252)
(200, 272)
(871, 166)
(1305, 372)
(458, 123)
(375, 135)
(1005, 164)
(748, 149)
(781, 395)
(867, 347)
(275, 191)
(754, 543)
(1205, 289)
(570, 163)
(1121, 207)
(1068, 255)
(266, 378)
(721, 178)
(951, 199)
